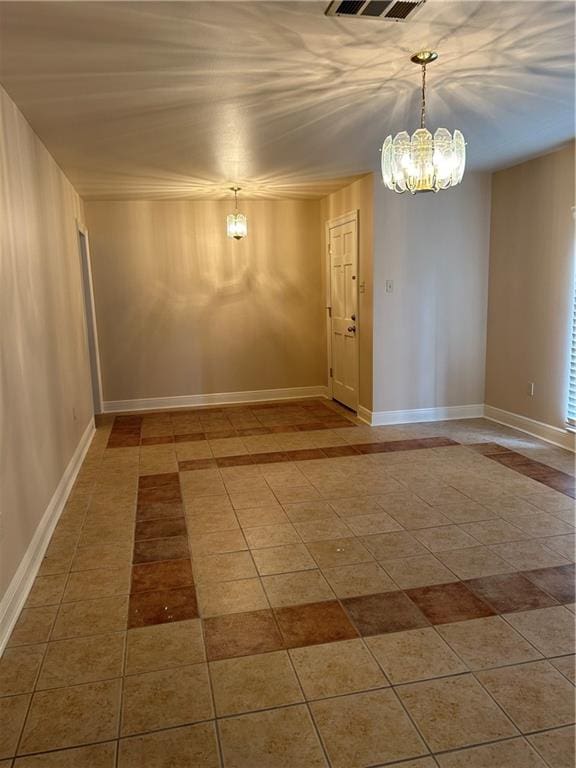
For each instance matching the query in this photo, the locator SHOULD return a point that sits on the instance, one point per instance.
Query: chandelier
(236, 223)
(422, 162)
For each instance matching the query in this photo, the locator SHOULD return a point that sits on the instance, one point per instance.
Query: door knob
(353, 317)
(351, 329)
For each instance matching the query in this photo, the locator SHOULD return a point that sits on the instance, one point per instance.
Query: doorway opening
(90, 319)
(342, 305)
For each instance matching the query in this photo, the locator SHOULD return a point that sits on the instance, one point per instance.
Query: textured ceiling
(177, 100)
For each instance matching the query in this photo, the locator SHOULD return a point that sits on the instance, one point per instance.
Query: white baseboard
(217, 398)
(442, 413)
(13, 600)
(560, 437)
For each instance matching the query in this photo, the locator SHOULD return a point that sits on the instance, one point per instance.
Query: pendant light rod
(235, 190)
(423, 58)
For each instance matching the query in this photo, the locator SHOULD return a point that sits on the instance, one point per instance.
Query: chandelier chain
(423, 112)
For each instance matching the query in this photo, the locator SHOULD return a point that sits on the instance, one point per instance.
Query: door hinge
(331, 375)
(329, 311)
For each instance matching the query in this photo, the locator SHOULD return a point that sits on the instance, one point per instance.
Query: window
(571, 417)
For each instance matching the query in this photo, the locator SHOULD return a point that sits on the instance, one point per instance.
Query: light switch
(389, 286)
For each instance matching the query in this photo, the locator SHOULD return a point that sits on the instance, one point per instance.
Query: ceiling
(180, 99)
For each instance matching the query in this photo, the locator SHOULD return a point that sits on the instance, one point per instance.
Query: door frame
(90, 324)
(346, 218)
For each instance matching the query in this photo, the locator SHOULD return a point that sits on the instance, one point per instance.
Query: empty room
(287, 384)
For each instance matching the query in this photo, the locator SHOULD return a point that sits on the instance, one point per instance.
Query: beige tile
(211, 521)
(526, 555)
(551, 630)
(566, 665)
(366, 729)
(102, 556)
(489, 642)
(271, 535)
(357, 505)
(19, 669)
(495, 531)
(418, 515)
(473, 562)
(512, 753)
(193, 746)
(336, 668)
(359, 579)
(297, 587)
(453, 712)
(199, 449)
(94, 756)
(379, 522)
(277, 738)
(206, 504)
(219, 598)
(419, 571)
(219, 542)
(254, 682)
(161, 646)
(283, 559)
(323, 529)
(306, 511)
(466, 511)
(417, 654)
(33, 626)
(166, 698)
(334, 552)
(92, 585)
(69, 717)
(228, 566)
(391, 546)
(270, 515)
(91, 617)
(557, 746)
(535, 695)
(541, 524)
(564, 545)
(82, 660)
(421, 762)
(46, 590)
(12, 715)
(227, 446)
(288, 494)
(444, 538)
(249, 499)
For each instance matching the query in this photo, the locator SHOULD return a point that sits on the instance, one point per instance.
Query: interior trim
(563, 438)
(216, 398)
(441, 413)
(21, 584)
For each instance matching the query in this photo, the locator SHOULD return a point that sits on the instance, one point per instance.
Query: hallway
(279, 586)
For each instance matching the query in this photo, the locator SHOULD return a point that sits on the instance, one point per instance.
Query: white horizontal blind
(571, 419)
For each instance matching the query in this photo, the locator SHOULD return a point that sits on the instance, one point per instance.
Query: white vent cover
(386, 10)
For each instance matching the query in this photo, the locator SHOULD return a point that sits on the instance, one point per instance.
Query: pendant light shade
(423, 162)
(236, 223)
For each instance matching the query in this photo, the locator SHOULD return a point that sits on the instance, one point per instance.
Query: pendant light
(423, 163)
(236, 223)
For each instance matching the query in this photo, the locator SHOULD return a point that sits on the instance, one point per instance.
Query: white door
(343, 253)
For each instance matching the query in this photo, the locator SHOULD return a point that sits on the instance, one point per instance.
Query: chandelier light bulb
(236, 223)
(423, 162)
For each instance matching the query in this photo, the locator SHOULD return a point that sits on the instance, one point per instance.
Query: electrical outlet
(389, 286)
(530, 389)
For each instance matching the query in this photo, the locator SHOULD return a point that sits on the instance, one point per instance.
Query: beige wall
(531, 273)
(44, 371)
(183, 310)
(358, 197)
(430, 332)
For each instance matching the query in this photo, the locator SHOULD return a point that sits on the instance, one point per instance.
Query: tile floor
(278, 586)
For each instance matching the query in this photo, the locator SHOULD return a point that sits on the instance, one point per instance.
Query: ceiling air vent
(387, 10)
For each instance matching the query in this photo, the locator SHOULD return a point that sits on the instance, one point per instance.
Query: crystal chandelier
(236, 223)
(423, 163)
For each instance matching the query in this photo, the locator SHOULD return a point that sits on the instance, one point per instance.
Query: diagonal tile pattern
(276, 585)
